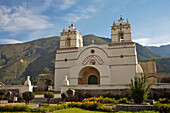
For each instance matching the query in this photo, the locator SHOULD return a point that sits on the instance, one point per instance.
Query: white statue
(65, 81)
(27, 82)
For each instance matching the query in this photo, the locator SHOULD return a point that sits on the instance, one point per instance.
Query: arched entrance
(89, 75)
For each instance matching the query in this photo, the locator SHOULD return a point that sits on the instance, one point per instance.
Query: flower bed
(14, 108)
(107, 100)
(163, 108)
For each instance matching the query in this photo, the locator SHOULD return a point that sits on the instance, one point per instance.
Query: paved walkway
(42, 96)
(38, 99)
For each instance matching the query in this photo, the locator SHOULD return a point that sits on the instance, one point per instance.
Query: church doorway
(92, 79)
(89, 75)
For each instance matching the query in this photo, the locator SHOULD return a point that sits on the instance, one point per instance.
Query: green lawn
(78, 110)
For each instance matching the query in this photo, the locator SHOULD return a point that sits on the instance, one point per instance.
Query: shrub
(107, 100)
(74, 104)
(162, 108)
(3, 92)
(49, 95)
(124, 100)
(101, 100)
(163, 100)
(28, 96)
(14, 108)
(91, 105)
(64, 96)
(104, 108)
(139, 89)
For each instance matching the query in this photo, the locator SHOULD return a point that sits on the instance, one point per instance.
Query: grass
(78, 110)
(42, 92)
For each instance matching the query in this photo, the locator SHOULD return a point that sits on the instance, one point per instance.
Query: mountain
(36, 57)
(163, 51)
(162, 64)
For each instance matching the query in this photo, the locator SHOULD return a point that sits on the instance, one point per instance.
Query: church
(96, 65)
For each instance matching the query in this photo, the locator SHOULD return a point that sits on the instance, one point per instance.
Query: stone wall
(135, 108)
(81, 91)
(148, 67)
(44, 80)
(21, 88)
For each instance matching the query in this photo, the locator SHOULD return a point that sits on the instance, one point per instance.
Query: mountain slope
(38, 56)
(17, 59)
(163, 51)
(144, 53)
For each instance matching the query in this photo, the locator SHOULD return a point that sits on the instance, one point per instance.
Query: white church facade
(110, 64)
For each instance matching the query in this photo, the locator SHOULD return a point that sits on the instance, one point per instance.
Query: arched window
(68, 42)
(121, 37)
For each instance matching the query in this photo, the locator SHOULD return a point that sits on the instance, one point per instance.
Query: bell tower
(121, 31)
(71, 37)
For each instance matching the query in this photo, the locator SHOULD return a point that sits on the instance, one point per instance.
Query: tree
(28, 96)
(139, 89)
(49, 95)
(64, 96)
(3, 92)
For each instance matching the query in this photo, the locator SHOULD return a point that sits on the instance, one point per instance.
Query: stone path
(39, 99)
(42, 96)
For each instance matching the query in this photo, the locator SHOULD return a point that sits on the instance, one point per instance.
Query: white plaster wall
(59, 77)
(127, 34)
(21, 88)
(122, 74)
(114, 70)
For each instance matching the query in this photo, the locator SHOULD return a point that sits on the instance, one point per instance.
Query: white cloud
(154, 40)
(142, 41)
(80, 13)
(9, 41)
(67, 4)
(18, 19)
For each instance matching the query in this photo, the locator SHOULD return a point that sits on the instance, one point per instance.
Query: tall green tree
(139, 89)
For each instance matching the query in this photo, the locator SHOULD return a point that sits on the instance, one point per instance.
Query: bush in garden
(139, 90)
(3, 92)
(12, 108)
(28, 96)
(91, 105)
(101, 100)
(163, 100)
(49, 95)
(107, 100)
(162, 108)
(104, 108)
(124, 100)
(74, 104)
(64, 96)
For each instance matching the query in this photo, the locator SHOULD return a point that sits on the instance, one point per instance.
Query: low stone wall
(21, 88)
(135, 107)
(82, 91)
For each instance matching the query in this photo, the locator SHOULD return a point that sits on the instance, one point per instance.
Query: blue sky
(26, 20)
